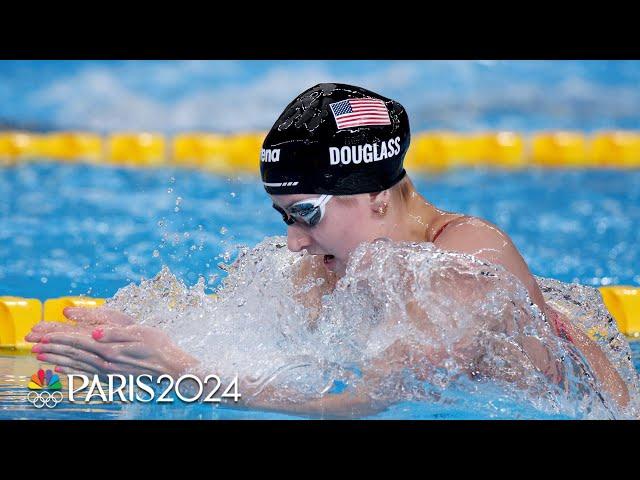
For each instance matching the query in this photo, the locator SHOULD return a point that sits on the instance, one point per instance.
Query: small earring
(382, 209)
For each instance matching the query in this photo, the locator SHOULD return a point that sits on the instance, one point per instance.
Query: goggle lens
(309, 212)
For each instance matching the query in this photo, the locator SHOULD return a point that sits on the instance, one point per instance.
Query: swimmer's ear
(379, 201)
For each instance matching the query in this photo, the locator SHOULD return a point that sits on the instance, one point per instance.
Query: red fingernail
(42, 357)
(97, 334)
(36, 348)
(58, 370)
(44, 340)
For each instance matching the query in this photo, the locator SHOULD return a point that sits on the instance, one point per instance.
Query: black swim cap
(336, 139)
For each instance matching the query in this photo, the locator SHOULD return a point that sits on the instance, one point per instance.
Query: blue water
(81, 229)
(170, 96)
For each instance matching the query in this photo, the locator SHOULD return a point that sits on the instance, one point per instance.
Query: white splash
(408, 322)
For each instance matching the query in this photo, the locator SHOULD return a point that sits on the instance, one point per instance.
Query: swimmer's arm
(602, 367)
(333, 405)
(281, 399)
(356, 401)
(126, 348)
(487, 242)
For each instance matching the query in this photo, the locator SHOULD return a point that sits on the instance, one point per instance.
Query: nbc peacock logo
(45, 389)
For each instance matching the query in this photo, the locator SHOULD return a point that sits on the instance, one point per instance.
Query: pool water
(70, 229)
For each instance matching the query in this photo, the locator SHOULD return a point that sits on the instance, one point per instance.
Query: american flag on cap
(358, 112)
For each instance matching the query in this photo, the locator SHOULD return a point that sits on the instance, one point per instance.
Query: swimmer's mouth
(328, 258)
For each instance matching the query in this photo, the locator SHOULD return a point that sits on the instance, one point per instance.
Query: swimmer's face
(346, 224)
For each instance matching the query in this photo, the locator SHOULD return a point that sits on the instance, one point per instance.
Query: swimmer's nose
(297, 239)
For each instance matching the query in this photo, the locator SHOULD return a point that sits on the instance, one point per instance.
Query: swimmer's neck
(415, 220)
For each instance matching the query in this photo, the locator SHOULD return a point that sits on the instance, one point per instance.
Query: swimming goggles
(309, 211)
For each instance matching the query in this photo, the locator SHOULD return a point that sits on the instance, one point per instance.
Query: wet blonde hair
(403, 190)
(401, 193)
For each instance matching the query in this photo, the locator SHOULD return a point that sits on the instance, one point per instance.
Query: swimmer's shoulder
(488, 243)
(455, 231)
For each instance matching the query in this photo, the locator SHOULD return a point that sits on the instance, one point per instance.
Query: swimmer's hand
(86, 319)
(105, 341)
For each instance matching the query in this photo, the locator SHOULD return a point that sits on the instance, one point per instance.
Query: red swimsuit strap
(441, 229)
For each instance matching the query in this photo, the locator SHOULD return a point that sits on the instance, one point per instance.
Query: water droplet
(156, 254)
(223, 230)
(233, 194)
(44, 279)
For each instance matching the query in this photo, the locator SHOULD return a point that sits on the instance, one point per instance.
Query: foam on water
(407, 323)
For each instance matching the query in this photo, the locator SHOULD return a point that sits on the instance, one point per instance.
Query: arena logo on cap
(366, 153)
(50, 385)
(270, 155)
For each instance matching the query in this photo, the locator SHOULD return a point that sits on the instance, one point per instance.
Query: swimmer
(333, 167)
